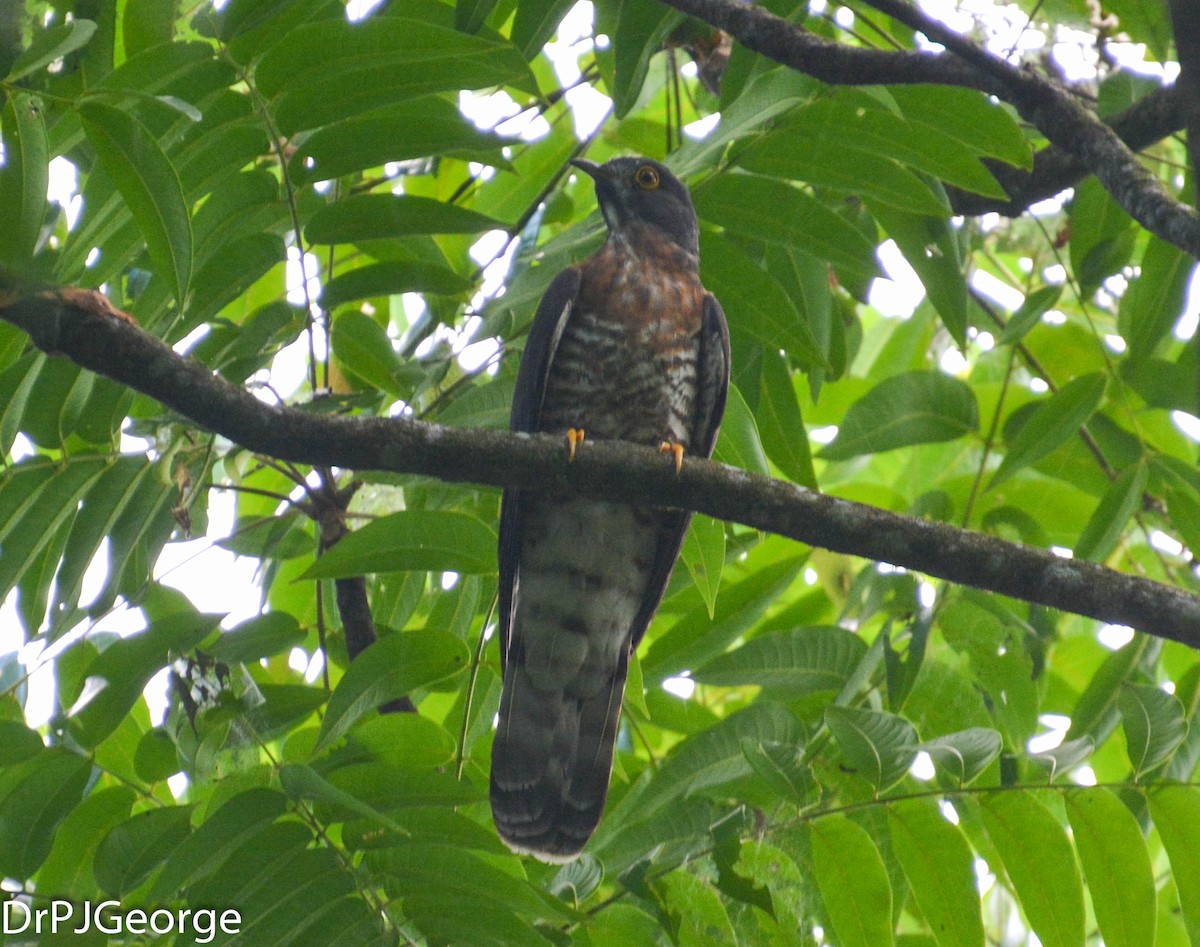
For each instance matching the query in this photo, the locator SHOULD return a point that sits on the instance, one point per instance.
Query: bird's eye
(646, 178)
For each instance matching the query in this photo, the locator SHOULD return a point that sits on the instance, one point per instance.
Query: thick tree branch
(1041, 101)
(94, 338)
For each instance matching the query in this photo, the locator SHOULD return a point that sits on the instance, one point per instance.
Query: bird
(625, 345)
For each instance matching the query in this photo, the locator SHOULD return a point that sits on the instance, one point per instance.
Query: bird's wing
(712, 387)
(712, 377)
(544, 334)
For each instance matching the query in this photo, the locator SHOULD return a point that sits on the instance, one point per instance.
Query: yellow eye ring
(646, 178)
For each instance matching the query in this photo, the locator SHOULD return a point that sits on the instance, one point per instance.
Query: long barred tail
(551, 763)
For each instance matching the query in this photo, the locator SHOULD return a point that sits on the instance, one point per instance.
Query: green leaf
(861, 123)
(788, 664)
(156, 758)
(703, 553)
(29, 527)
(1102, 235)
(822, 161)
(782, 767)
(392, 277)
(1095, 714)
(136, 847)
(118, 675)
(780, 423)
(392, 667)
(1176, 813)
(429, 870)
(484, 405)
(1050, 425)
(230, 273)
(1040, 864)
(402, 131)
(962, 756)
(763, 208)
(408, 739)
(470, 15)
(754, 300)
(1154, 725)
(1036, 304)
(132, 158)
(911, 408)
(1149, 22)
(879, 746)
(535, 22)
(701, 915)
(37, 795)
(99, 510)
(304, 782)
(426, 824)
(577, 879)
(428, 540)
(364, 351)
(24, 177)
(930, 245)
(260, 637)
(853, 882)
(635, 689)
(49, 45)
(295, 895)
(56, 402)
(1121, 500)
(940, 868)
(1116, 865)
(637, 35)
(16, 383)
(17, 743)
(772, 867)
(696, 638)
(222, 832)
(738, 443)
(384, 787)
(985, 126)
(766, 96)
(330, 70)
(714, 756)
(68, 870)
(1063, 758)
(146, 23)
(1155, 300)
(387, 216)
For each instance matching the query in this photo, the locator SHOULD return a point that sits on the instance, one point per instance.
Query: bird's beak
(590, 168)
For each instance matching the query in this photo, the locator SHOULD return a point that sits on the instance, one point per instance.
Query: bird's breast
(625, 366)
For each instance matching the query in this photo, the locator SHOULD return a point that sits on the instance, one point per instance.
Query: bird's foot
(575, 437)
(666, 447)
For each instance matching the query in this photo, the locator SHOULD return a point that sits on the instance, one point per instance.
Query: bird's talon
(575, 437)
(666, 447)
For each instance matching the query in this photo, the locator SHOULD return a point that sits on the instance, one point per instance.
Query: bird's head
(638, 193)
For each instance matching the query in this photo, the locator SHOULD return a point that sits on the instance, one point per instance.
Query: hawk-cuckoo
(629, 345)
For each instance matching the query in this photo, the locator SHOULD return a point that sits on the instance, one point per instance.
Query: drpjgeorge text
(108, 917)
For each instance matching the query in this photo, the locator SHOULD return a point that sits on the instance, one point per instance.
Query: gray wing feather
(544, 334)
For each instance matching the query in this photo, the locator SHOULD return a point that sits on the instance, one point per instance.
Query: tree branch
(76, 324)
(1041, 101)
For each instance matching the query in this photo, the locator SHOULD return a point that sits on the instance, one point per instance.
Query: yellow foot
(666, 447)
(575, 437)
